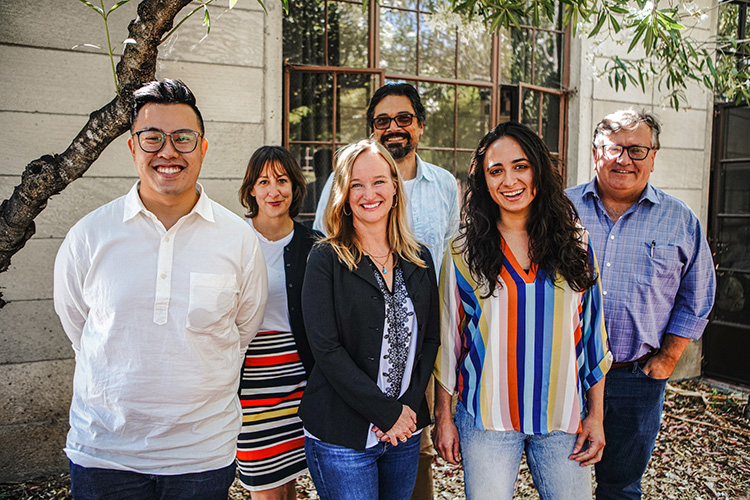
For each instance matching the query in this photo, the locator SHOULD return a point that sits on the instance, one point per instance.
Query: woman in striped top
(523, 342)
(270, 449)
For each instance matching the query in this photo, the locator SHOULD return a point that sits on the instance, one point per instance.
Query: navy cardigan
(295, 261)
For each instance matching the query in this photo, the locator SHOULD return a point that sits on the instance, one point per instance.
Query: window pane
(544, 21)
(473, 115)
(738, 123)
(437, 51)
(316, 163)
(398, 41)
(530, 109)
(438, 101)
(310, 106)
(347, 35)
(736, 194)
(463, 163)
(403, 4)
(548, 59)
(551, 121)
(475, 58)
(516, 48)
(733, 292)
(353, 96)
(443, 159)
(304, 31)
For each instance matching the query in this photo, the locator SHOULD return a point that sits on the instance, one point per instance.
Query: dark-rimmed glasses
(402, 120)
(614, 151)
(152, 140)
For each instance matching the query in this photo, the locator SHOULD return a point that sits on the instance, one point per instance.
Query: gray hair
(628, 119)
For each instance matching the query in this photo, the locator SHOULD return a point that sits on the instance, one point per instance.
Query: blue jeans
(633, 403)
(381, 472)
(491, 460)
(89, 483)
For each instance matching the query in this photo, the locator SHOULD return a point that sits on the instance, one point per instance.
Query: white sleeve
(322, 203)
(69, 275)
(253, 296)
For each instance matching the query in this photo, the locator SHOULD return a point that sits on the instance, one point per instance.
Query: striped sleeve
(451, 317)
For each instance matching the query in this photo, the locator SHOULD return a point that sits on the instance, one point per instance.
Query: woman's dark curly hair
(554, 237)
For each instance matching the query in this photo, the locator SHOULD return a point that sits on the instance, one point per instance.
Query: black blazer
(295, 261)
(344, 314)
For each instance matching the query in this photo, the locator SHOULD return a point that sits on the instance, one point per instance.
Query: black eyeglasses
(402, 120)
(152, 140)
(614, 151)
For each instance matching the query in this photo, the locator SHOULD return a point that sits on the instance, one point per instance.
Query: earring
(395, 201)
(350, 212)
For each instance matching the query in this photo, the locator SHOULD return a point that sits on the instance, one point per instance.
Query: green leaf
(599, 24)
(266, 11)
(117, 5)
(96, 8)
(206, 20)
(232, 3)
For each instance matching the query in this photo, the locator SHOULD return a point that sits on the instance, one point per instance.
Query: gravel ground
(703, 453)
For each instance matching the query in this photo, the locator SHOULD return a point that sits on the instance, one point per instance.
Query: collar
(650, 194)
(422, 171)
(134, 205)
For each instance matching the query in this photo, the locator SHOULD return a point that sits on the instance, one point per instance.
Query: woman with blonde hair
(370, 306)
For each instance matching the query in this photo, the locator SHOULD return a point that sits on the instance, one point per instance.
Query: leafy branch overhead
(664, 46)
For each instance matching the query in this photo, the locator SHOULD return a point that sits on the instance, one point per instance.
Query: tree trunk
(50, 174)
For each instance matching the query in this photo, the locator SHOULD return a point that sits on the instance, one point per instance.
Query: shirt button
(612, 237)
(609, 264)
(290, 285)
(604, 292)
(163, 276)
(166, 239)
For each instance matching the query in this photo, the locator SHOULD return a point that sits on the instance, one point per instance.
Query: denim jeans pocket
(649, 377)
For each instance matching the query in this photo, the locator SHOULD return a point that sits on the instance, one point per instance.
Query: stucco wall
(682, 165)
(47, 90)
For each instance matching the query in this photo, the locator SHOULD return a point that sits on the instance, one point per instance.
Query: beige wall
(683, 164)
(47, 91)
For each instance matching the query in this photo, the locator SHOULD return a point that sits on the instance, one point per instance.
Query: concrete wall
(683, 164)
(47, 90)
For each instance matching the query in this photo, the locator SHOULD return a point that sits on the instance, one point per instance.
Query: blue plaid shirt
(656, 269)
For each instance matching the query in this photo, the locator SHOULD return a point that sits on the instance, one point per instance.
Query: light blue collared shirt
(433, 208)
(656, 269)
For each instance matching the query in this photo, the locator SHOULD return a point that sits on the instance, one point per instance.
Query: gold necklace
(381, 264)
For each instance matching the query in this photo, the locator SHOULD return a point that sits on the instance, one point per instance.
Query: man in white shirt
(397, 116)
(160, 292)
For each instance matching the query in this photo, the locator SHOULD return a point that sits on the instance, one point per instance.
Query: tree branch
(50, 174)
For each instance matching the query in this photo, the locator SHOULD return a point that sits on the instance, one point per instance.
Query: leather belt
(640, 360)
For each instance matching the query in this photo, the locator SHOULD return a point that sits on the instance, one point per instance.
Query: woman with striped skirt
(523, 342)
(270, 448)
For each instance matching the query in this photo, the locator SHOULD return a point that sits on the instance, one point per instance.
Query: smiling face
(509, 177)
(400, 141)
(168, 177)
(622, 179)
(371, 189)
(273, 192)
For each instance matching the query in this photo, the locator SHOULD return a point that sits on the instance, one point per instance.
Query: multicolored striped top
(523, 358)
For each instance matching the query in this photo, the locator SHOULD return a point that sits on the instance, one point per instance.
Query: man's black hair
(403, 89)
(164, 92)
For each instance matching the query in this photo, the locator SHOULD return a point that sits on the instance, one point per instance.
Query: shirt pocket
(213, 302)
(662, 264)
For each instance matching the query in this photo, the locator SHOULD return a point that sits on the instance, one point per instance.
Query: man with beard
(396, 115)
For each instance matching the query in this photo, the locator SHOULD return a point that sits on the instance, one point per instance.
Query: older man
(397, 117)
(160, 292)
(658, 283)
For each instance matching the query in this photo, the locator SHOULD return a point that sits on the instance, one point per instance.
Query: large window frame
(505, 99)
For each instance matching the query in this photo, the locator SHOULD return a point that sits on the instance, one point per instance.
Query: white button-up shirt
(159, 320)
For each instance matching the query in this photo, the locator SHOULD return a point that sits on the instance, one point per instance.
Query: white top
(276, 318)
(159, 321)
